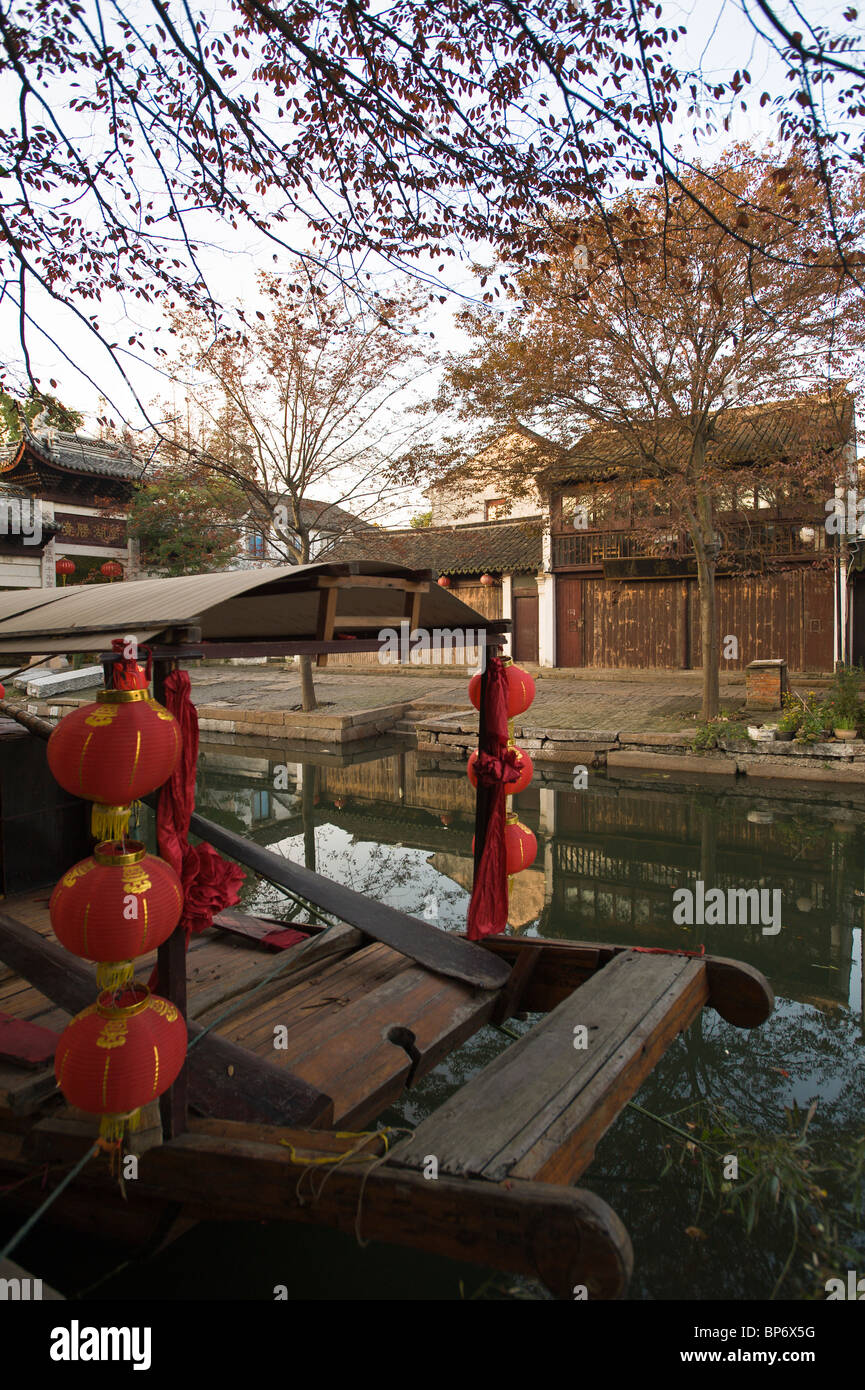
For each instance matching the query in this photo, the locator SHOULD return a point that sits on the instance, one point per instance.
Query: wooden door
(569, 621)
(525, 644)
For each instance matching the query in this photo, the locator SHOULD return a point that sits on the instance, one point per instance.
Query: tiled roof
(499, 547)
(78, 453)
(743, 435)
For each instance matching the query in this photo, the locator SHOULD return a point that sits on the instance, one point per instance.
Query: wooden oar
(438, 950)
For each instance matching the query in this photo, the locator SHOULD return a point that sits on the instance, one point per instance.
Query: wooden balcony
(744, 544)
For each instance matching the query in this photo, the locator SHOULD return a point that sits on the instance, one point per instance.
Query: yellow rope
(334, 1161)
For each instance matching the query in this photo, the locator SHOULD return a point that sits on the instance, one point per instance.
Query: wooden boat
(293, 1058)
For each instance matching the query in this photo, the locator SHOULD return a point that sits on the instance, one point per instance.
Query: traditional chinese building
(64, 497)
(595, 573)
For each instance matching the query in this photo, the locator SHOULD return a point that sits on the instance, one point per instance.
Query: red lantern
(521, 847)
(521, 689)
(487, 580)
(64, 567)
(444, 581)
(111, 569)
(120, 903)
(524, 763)
(446, 818)
(119, 1054)
(112, 752)
(338, 803)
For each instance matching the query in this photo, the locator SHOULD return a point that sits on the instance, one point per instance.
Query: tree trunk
(307, 687)
(308, 702)
(709, 631)
(706, 547)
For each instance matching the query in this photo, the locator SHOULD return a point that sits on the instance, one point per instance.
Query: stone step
(60, 682)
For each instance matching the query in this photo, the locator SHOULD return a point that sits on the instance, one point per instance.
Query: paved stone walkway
(636, 701)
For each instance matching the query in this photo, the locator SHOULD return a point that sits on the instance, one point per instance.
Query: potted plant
(845, 707)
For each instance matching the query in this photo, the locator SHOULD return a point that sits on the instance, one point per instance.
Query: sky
(719, 39)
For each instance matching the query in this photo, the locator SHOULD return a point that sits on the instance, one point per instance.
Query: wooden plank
(443, 952)
(224, 1078)
(542, 1105)
(739, 992)
(324, 623)
(562, 1236)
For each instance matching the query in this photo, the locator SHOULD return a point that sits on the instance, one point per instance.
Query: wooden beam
(561, 1235)
(374, 581)
(324, 624)
(171, 964)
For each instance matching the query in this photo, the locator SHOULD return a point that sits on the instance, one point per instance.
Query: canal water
(397, 826)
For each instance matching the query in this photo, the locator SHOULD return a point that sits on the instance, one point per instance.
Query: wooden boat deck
(350, 1024)
(358, 1021)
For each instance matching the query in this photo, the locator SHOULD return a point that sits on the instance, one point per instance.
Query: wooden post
(171, 966)
(326, 618)
(484, 795)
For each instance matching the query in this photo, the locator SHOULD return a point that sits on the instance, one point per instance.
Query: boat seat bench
(540, 1108)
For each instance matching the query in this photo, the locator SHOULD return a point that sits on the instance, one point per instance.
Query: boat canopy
(322, 603)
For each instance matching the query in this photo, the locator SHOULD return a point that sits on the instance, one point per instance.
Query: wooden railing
(741, 541)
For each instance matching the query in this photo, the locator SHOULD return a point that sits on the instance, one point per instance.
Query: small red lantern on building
(444, 581)
(120, 903)
(487, 580)
(521, 689)
(112, 570)
(64, 567)
(524, 764)
(119, 1054)
(113, 752)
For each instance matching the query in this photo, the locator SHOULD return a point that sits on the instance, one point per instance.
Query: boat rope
(332, 1162)
(40, 1211)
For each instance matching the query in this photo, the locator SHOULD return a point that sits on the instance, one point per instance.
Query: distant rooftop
(74, 453)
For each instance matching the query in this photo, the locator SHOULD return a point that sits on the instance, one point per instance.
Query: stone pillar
(547, 619)
(508, 610)
(49, 559)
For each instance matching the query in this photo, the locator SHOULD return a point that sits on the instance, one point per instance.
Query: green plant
(713, 732)
(792, 713)
(816, 719)
(844, 702)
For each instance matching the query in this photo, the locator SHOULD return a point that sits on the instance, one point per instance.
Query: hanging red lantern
(521, 689)
(444, 581)
(119, 1054)
(446, 818)
(120, 903)
(111, 569)
(488, 580)
(521, 847)
(113, 752)
(338, 803)
(524, 763)
(64, 567)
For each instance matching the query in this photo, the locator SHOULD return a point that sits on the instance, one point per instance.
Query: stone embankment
(455, 736)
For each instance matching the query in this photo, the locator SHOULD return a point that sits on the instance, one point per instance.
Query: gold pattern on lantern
(113, 1034)
(77, 871)
(103, 715)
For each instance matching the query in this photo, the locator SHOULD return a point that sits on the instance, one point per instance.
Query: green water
(399, 827)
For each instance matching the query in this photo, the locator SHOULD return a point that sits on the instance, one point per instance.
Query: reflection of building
(63, 496)
(609, 857)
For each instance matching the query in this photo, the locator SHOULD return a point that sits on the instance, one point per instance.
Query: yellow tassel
(115, 975)
(113, 1127)
(109, 822)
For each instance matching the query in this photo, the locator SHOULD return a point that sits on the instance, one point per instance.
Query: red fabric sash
(488, 909)
(210, 883)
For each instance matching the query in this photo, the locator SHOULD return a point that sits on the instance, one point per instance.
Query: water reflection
(398, 827)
